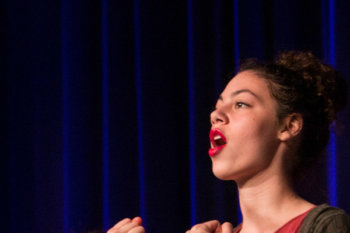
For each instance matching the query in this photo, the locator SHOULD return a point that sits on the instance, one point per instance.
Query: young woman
(270, 123)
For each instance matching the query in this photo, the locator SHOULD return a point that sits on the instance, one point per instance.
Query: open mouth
(217, 140)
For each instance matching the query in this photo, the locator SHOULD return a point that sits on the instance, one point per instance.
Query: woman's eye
(241, 105)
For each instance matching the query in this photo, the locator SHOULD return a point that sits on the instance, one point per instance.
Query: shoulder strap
(320, 217)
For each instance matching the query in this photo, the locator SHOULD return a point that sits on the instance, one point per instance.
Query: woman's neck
(268, 202)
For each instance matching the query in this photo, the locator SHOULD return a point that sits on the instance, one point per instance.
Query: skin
(128, 225)
(256, 156)
(212, 226)
(256, 153)
(246, 114)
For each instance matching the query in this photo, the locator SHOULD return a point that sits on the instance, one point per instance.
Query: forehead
(247, 80)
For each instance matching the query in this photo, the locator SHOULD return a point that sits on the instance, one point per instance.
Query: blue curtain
(105, 106)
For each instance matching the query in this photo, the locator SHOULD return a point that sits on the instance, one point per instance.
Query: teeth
(219, 141)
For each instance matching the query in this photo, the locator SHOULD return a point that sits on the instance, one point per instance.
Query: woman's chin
(222, 175)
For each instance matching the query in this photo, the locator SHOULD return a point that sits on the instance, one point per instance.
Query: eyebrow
(233, 94)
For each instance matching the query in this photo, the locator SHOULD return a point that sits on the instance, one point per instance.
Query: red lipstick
(217, 140)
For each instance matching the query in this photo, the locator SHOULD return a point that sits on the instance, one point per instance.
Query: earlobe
(291, 127)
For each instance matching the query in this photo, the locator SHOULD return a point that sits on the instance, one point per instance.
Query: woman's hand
(128, 226)
(213, 226)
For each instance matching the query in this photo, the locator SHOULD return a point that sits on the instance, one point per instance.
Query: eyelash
(237, 105)
(241, 105)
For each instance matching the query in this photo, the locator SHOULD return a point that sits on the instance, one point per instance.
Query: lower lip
(214, 151)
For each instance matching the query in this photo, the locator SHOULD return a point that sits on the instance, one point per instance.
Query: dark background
(105, 106)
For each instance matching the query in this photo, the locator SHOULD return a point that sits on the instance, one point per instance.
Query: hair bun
(321, 78)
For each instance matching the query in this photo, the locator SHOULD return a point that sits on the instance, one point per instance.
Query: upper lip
(217, 138)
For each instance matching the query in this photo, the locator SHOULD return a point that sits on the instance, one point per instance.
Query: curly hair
(301, 83)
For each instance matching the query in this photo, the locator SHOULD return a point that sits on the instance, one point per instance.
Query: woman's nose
(217, 117)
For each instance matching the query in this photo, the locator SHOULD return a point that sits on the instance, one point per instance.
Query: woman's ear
(291, 126)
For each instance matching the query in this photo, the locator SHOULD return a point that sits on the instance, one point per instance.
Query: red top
(292, 226)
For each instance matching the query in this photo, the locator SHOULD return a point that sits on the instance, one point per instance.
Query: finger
(138, 220)
(121, 223)
(207, 227)
(227, 227)
(213, 226)
(138, 229)
(128, 227)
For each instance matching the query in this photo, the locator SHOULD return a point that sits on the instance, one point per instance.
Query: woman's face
(245, 128)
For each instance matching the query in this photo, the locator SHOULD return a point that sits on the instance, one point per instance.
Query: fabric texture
(321, 219)
(326, 219)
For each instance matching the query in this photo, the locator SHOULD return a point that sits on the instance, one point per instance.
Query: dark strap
(326, 219)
